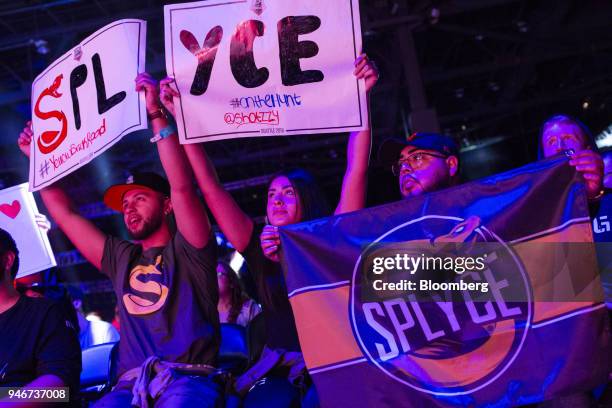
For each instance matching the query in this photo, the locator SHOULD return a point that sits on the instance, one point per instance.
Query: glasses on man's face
(415, 160)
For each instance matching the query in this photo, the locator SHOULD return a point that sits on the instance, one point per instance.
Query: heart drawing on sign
(11, 210)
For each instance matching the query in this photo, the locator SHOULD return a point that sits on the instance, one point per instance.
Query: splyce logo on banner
(85, 101)
(415, 324)
(264, 67)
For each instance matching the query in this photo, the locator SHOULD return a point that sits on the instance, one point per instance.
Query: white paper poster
(17, 211)
(265, 67)
(85, 101)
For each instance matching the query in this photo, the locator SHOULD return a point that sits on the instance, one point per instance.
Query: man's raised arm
(235, 223)
(191, 218)
(83, 234)
(355, 180)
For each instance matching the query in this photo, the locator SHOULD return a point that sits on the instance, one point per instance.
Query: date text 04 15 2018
(48, 394)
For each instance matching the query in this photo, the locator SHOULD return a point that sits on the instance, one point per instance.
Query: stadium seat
(99, 370)
(234, 350)
(256, 334)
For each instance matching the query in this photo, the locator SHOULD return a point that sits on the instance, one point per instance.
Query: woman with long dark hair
(234, 306)
(293, 196)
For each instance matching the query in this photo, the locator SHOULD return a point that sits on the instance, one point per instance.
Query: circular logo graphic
(147, 294)
(432, 336)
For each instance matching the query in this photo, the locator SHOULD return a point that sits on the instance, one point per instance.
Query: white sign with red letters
(86, 101)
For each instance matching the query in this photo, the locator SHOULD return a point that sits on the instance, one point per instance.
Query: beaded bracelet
(158, 113)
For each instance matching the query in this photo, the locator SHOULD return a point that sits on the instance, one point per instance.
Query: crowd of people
(172, 291)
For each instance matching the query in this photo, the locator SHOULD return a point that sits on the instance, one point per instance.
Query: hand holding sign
(167, 94)
(25, 139)
(145, 82)
(366, 69)
(43, 222)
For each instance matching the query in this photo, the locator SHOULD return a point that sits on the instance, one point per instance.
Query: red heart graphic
(11, 210)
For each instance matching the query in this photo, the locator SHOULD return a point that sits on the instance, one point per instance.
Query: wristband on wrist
(164, 133)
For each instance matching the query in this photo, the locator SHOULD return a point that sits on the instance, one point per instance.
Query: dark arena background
(487, 72)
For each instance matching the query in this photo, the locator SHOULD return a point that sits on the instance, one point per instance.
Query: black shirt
(272, 293)
(36, 339)
(169, 301)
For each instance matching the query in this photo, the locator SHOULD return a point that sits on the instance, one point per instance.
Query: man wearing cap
(165, 283)
(424, 162)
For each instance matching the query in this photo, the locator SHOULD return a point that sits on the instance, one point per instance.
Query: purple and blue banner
(484, 294)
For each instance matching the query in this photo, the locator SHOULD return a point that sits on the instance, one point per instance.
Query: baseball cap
(113, 196)
(391, 148)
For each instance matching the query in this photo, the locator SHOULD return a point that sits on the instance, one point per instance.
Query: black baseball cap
(391, 148)
(113, 196)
